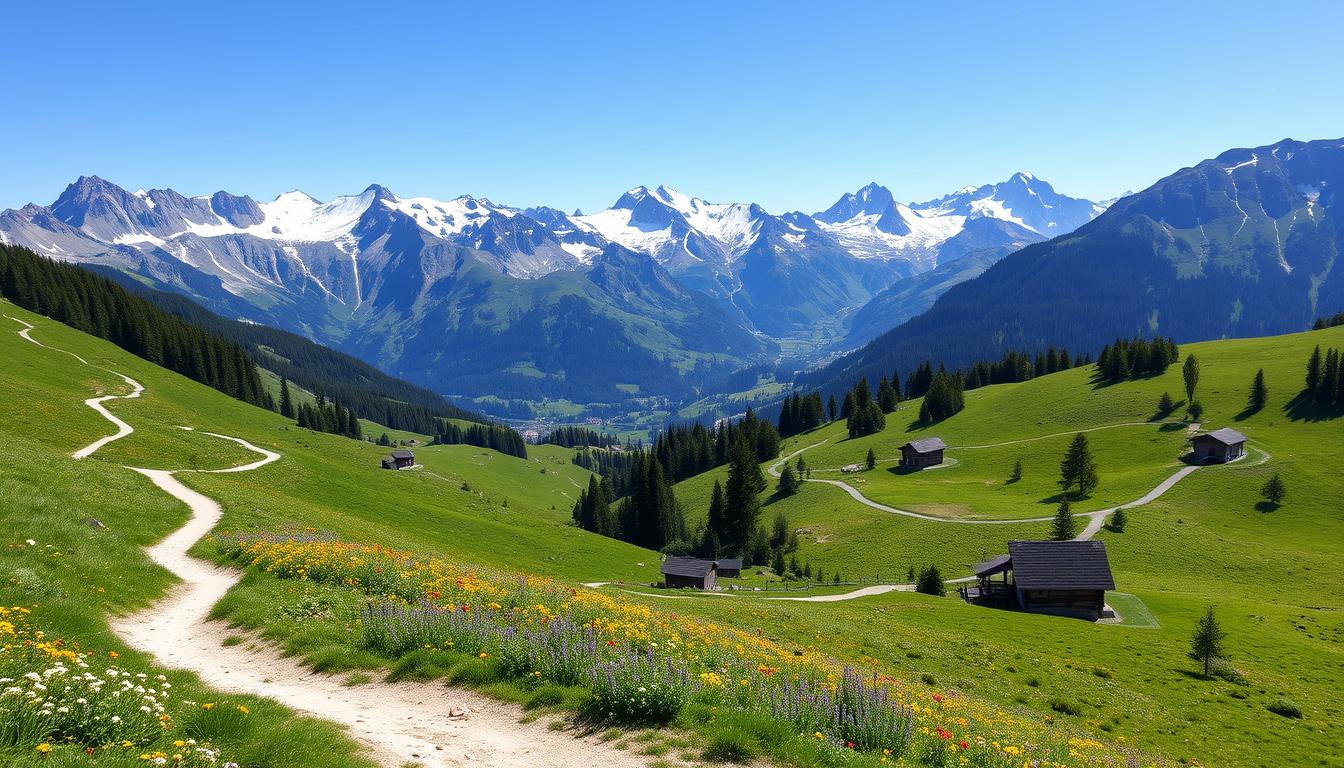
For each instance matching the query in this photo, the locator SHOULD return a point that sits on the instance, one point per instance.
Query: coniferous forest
(102, 308)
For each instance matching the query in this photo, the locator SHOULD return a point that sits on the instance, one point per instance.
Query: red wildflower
(942, 734)
(938, 697)
(849, 745)
(963, 744)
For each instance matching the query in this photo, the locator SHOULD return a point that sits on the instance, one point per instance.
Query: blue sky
(785, 104)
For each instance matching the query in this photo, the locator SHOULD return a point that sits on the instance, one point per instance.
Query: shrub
(639, 688)
(1286, 708)
(859, 711)
(1065, 706)
(1119, 520)
(731, 745)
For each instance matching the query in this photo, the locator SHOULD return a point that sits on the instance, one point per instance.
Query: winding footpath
(429, 724)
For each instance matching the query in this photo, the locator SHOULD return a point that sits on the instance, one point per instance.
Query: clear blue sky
(569, 104)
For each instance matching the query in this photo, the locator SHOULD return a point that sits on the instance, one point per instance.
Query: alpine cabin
(690, 572)
(1218, 447)
(918, 454)
(399, 460)
(1065, 578)
(730, 568)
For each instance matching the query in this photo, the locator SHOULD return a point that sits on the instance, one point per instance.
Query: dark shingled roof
(1226, 436)
(1060, 565)
(927, 445)
(403, 455)
(730, 564)
(687, 566)
(993, 566)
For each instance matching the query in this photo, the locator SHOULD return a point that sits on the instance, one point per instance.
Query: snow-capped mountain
(400, 280)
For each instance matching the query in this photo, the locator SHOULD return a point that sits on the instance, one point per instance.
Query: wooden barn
(690, 572)
(1218, 447)
(730, 568)
(918, 454)
(1065, 578)
(399, 460)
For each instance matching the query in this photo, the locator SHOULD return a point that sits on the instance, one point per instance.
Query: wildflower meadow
(641, 666)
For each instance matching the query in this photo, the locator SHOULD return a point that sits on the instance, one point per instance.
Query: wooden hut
(690, 572)
(730, 568)
(399, 460)
(1066, 578)
(1218, 447)
(918, 454)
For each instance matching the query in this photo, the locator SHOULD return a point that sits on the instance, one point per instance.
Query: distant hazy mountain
(662, 295)
(1245, 244)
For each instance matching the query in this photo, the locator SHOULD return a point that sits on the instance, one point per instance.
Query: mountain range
(662, 295)
(1244, 244)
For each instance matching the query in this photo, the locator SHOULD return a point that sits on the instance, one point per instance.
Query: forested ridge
(369, 392)
(100, 307)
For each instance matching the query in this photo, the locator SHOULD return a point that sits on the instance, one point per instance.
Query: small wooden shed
(918, 454)
(690, 572)
(730, 568)
(399, 460)
(1218, 447)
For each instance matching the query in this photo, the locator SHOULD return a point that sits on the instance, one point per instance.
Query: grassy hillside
(1273, 576)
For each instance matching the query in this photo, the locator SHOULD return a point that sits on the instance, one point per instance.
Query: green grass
(1273, 576)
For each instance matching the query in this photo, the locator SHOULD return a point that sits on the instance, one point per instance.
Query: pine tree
(1063, 529)
(779, 534)
(788, 482)
(1164, 404)
(1314, 370)
(1207, 642)
(1078, 467)
(887, 396)
(777, 562)
(931, 582)
(1195, 410)
(742, 506)
(715, 523)
(1190, 375)
(832, 409)
(1016, 474)
(1274, 490)
(1327, 392)
(286, 402)
(1119, 520)
(872, 459)
(1259, 392)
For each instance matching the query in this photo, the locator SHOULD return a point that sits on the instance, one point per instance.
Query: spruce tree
(887, 397)
(872, 459)
(1119, 520)
(1078, 467)
(779, 535)
(788, 482)
(286, 402)
(1190, 375)
(777, 562)
(1207, 642)
(1165, 405)
(832, 409)
(1274, 490)
(1063, 529)
(1314, 371)
(742, 506)
(1016, 474)
(1259, 392)
(931, 582)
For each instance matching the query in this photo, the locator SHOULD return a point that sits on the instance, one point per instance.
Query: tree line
(581, 437)
(1325, 378)
(1132, 358)
(493, 436)
(333, 417)
(99, 307)
(1328, 322)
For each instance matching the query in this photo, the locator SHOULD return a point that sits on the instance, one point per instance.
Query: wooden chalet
(730, 568)
(1218, 447)
(1065, 578)
(918, 454)
(690, 572)
(399, 460)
